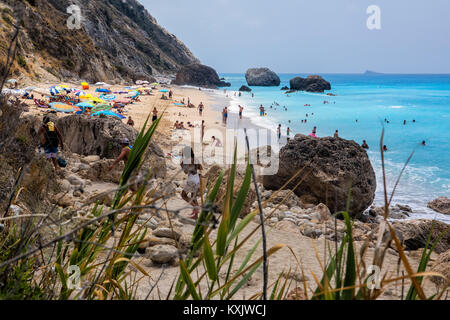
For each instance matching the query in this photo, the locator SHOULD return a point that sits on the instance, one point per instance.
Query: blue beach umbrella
(163, 90)
(108, 113)
(102, 90)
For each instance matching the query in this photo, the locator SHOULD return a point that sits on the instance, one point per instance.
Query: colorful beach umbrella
(102, 107)
(85, 105)
(108, 97)
(97, 100)
(108, 113)
(61, 107)
(163, 90)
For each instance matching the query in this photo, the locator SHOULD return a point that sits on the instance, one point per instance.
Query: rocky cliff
(116, 40)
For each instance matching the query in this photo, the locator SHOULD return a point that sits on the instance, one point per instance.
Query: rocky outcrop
(101, 137)
(415, 234)
(263, 77)
(199, 75)
(245, 88)
(442, 266)
(310, 84)
(330, 168)
(116, 40)
(87, 135)
(441, 205)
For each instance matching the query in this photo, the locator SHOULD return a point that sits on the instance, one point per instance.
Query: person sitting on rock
(313, 133)
(130, 121)
(124, 154)
(365, 145)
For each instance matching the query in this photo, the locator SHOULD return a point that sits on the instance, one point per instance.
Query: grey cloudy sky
(319, 36)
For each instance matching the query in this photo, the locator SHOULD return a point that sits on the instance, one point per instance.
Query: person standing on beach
(192, 185)
(225, 115)
(279, 131)
(203, 130)
(170, 94)
(130, 122)
(52, 138)
(241, 108)
(200, 109)
(261, 111)
(336, 134)
(155, 114)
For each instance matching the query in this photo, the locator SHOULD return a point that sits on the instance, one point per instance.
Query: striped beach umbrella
(61, 107)
(102, 107)
(55, 90)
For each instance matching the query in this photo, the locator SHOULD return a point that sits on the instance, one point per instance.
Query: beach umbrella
(84, 105)
(102, 107)
(108, 113)
(79, 93)
(108, 97)
(102, 90)
(178, 104)
(99, 84)
(123, 101)
(163, 90)
(29, 89)
(11, 81)
(97, 100)
(132, 93)
(13, 92)
(61, 107)
(155, 84)
(55, 90)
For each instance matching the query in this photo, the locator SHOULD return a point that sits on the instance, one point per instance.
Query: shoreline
(213, 101)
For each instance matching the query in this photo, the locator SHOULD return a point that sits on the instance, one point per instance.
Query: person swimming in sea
(404, 122)
(423, 143)
(385, 148)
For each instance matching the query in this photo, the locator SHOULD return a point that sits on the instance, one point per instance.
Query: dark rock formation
(330, 168)
(311, 84)
(245, 88)
(415, 234)
(197, 74)
(262, 77)
(117, 40)
(441, 205)
(285, 88)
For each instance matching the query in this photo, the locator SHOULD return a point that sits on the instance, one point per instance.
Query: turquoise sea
(370, 99)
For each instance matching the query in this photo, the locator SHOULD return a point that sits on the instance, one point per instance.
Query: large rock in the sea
(415, 233)
(310, 84)
(197, 74)
(263, 77)
(245, 88)
(330, 168)
(441, 205)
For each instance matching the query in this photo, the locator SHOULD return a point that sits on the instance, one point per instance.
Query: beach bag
(61, 162)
